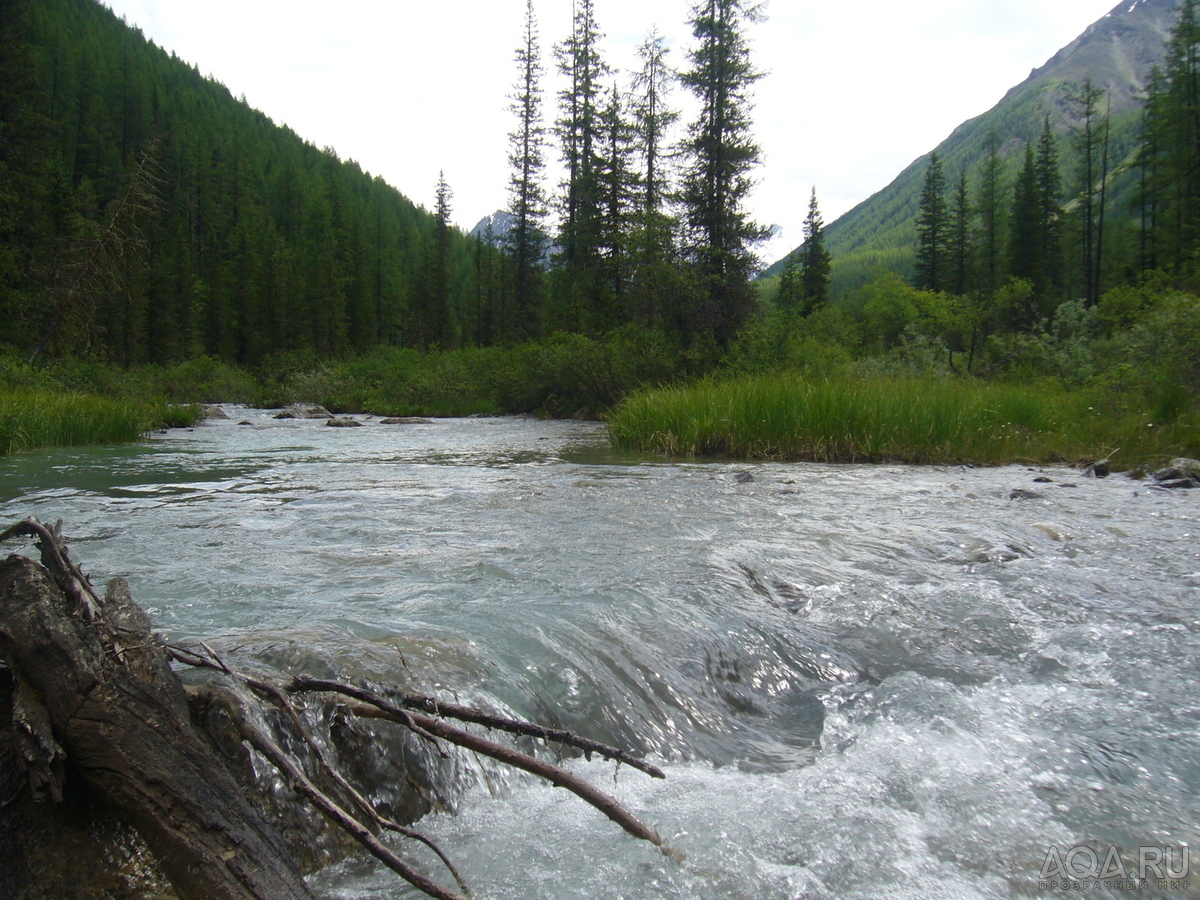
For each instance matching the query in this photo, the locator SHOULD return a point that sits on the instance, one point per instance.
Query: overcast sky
(854, 91)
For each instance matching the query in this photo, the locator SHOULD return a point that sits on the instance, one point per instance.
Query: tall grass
(890, 420)
(31, 418)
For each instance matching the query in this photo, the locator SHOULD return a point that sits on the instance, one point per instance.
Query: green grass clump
(939, 421)
(32, 418)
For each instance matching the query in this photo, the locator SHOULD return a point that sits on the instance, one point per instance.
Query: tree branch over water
(97, 696)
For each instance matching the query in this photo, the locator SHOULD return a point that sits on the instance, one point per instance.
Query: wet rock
(1043, 480)
(406, 420)
(305, 411)
(1182, 473)
(1022, 494)
(215, 412)
(344, 423)
(1179, 484)
(1097, 470)
(744, 478)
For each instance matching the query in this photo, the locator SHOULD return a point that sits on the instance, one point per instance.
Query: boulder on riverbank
(305, 411)
(1181, 473)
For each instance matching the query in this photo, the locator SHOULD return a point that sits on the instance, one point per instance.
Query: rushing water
(865, 682)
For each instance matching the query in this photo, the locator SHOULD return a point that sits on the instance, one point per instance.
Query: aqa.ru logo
(1082, 868)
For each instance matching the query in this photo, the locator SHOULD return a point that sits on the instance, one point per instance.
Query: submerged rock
(1022, 494)
(344, 423)
(305, 411)
(406, 420)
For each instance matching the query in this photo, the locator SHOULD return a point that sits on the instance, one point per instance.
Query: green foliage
(248, 241)
(31, 418)
(887, 419)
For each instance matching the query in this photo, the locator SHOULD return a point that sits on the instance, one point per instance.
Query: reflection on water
(866, 682)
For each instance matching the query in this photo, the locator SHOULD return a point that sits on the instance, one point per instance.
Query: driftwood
(95, 693)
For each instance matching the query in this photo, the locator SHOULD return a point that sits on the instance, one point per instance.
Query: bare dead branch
(379, 708)
(57, 561)
(488, 720)
(262, 742)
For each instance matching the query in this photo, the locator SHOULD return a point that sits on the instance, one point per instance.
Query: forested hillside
(1118, 54)
(148, 216)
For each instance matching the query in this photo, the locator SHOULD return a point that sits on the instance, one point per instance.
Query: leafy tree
(721, 157)
(933, 228)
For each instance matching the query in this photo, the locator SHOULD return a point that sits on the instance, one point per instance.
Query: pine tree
(652, 243)
(961, 249)
(617, 182)
(933, 228)
(578, 130)
(1171, 145)
(440, 325)
(814, 260)
(789, 295)
(1091, 147)
(990, 208)
(721, 157)
(1024, 246)
(1049, 189)
(526, 199)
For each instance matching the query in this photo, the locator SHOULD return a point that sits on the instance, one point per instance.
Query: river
(862, 682)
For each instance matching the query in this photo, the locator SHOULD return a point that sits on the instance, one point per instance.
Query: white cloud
(855, 91)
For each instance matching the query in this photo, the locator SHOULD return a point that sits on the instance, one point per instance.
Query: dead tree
(95, 692)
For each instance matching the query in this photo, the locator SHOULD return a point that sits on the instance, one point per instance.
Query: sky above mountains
(853, 92)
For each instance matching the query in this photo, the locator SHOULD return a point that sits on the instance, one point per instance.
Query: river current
(862, 682)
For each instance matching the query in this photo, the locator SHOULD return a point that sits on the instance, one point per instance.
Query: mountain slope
(1118, 52)
(249, 242)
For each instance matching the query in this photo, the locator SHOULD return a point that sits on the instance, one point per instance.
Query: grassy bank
(32, 418)
(787, 417)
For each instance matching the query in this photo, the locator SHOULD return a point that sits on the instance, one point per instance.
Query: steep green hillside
(1118, 53)
(148, 216)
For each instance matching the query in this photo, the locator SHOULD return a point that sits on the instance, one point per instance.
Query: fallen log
(95, 691)
(92, 692)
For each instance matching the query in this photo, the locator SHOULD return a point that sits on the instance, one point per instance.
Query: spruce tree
(1024, 246)
(527, 206)
(990, 206)
(579, 133)
(654, 274)
(814, 260)
(721, 156)
(1091, 147)
(1049, 189)
(440, 325)
(933, 228)
(961, 249)
(616, 180)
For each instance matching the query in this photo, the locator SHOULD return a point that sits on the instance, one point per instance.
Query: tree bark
(95, 690)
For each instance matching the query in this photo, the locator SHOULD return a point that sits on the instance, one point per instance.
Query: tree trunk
(94, 691)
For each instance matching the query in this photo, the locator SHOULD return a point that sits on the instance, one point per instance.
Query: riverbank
(908, 420)
(31, 418)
